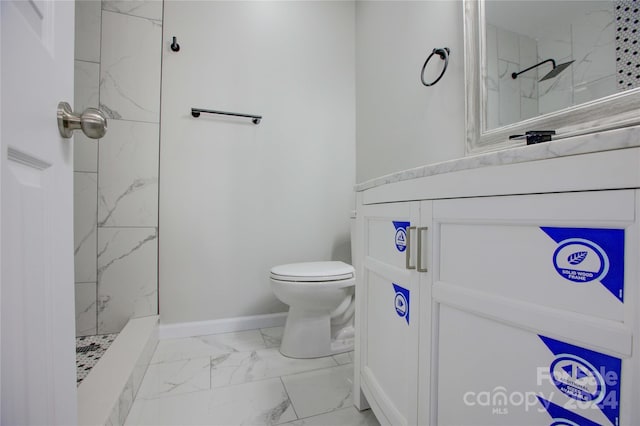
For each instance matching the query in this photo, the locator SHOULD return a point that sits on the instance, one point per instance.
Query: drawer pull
(420, 233)
(408, 251)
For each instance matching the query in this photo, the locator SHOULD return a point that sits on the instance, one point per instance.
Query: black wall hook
(175, 46)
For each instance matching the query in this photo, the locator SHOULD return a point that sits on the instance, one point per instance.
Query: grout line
(207, 390)
(133, 121)
(88, 62)
(264, 340)
(201, 357)
(314, 370)
(289, 396)
(333, 357)
(211, 372)
(153, 20)
(328, 412)
(158, 239)
(98, 177)
(126, 226)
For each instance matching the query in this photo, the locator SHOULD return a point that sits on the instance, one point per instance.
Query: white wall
(400, 123)
(238, 198)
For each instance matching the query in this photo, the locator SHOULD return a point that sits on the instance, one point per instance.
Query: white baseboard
(225, 325)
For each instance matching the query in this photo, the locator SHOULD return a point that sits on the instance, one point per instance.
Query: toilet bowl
(320, 296)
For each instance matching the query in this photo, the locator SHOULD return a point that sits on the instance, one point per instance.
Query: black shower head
(556, 70)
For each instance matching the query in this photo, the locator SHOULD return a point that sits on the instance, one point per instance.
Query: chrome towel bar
(195, 112)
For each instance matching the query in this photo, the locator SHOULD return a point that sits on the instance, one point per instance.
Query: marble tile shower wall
(588, 39)
(510, 100)
(117, 68)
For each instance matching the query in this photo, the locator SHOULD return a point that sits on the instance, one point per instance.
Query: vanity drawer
(496, 373)
(387, 230)
(563, 251)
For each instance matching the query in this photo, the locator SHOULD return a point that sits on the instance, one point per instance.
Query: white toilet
(320, 296)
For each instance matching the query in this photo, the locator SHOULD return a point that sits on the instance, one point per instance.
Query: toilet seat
(313, 272)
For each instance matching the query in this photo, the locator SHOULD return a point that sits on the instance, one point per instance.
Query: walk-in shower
(116, 203)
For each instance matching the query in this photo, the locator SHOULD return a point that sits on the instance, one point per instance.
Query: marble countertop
(628, 137)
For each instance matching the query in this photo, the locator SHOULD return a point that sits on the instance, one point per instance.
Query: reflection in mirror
(576, 67)
(552, 34)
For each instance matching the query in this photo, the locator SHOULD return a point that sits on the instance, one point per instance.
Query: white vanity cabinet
(527, 312)
(388, 297)
(534, 322)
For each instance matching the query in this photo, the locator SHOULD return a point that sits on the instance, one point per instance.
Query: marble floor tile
(202, 346)
(272, 336)
(346, 416)
(234, 379)
(258, 403)
(177, 377)
(320, 391)
(242, 367)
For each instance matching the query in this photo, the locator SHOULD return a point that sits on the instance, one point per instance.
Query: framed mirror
(566, 65)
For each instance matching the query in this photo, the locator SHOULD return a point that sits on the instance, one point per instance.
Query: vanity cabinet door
(388, 294)
(535, 307)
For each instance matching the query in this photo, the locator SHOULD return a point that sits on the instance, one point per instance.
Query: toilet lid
(312, 271)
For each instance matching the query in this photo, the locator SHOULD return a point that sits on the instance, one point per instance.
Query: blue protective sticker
(401, 235)
(586, 376)
(562, 417)
(586, 254)
(401, 301)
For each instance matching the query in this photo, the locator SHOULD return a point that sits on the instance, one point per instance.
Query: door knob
(92, 121)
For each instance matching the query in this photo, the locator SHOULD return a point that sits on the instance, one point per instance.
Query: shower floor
(89, 349)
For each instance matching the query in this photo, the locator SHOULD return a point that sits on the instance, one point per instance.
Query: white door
(36, 255)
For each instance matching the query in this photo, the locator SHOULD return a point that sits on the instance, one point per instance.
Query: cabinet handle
(420, 268)
(408, 251)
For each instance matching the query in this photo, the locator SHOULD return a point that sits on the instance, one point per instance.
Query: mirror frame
(610, 112)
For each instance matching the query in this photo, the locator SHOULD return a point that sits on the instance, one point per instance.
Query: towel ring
(444, 55)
